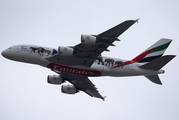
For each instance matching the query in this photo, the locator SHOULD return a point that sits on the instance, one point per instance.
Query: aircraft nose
(3, 53)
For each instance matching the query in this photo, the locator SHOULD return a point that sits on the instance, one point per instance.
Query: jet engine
(69, 89)
(88, 39)
(54, 79)
(65, 51)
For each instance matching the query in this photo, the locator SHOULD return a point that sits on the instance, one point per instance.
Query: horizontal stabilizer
(158, 63)
(154, 79)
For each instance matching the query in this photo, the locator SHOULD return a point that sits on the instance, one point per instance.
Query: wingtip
(103, 98)
(137, 20)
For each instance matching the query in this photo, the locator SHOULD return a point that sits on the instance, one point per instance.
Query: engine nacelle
(88, 39)
(65, 51)
(54, 79)
(68, 89)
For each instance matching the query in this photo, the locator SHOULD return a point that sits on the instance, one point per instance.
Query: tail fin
(153, 52)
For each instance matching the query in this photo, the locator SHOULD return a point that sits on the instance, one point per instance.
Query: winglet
(137, 20)
(103, 98)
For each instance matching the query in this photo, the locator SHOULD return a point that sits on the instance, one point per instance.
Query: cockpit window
(9, 48)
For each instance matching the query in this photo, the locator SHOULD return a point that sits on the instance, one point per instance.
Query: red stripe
(129, 62)
(141, 56)
(137, 59)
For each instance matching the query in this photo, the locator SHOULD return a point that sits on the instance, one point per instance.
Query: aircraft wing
(90, 52)
(86, 54)
(82, 84)
(119, 29)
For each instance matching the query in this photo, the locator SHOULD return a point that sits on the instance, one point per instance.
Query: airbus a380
(76, 63)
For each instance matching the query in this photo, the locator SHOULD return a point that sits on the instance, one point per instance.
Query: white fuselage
(101, 67)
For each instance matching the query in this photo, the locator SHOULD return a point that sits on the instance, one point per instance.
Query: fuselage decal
(72, 70)
(121, 65)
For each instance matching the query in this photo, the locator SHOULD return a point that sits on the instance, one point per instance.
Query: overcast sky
(24, 91)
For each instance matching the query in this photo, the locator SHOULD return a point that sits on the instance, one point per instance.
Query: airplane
(76, 63)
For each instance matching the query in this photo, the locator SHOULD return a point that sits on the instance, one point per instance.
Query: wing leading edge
(119, 29)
